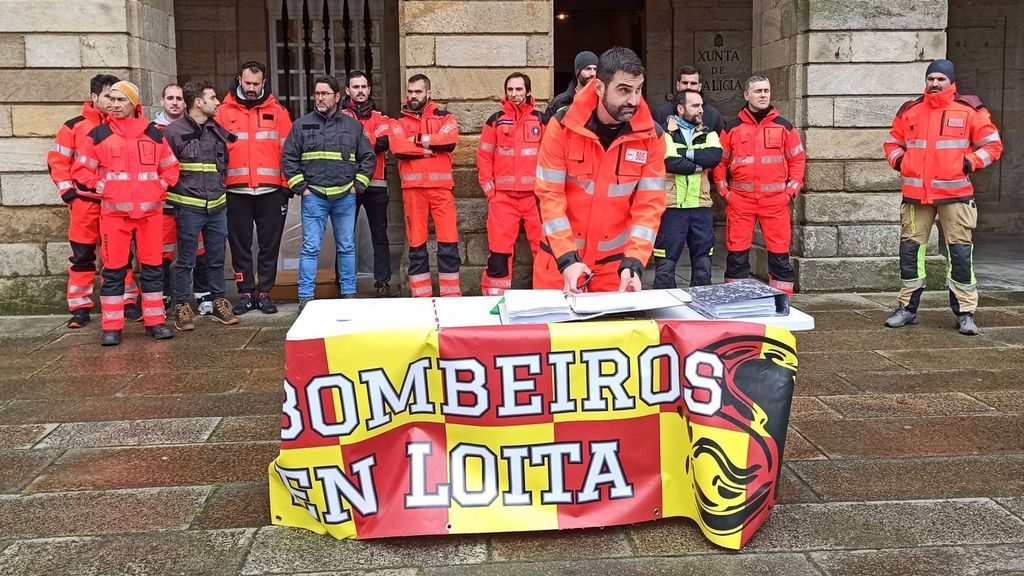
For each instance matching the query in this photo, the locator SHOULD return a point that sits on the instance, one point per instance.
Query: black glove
(967, 166)
(286, 192)
(633, 265)
(899, 162)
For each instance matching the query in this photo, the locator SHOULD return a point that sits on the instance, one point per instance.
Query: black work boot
(245, 303)
(110, 338)
(79, 318)
(160, 331)
(132, 311)
(265, 304)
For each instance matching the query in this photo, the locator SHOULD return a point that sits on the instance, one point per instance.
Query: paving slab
(194, 381)
(23, 436)
(99, 512)
(186, 465)
(159, 357)
(887, 339)
(265, 380)
(807, 408)
(939, 299)
(269, 338)
(206, 552)
(793, 490)
(130, 433)
(248, 429)
(944, 319)
(1009, 336)
(560, 545)
(236, 505)
(27, 326)
(844, 361)
(670, 537)
(64, 387)
(761, 564)
(1014, 505)
(938, 436)
(822, 384)
(992, 358)
(383, 572)
(1006, 560)
(24, 366)
(898, 405)
(828, 321)
(929, 381)
(19, 467)
(798, 448)
(813, 303)
(287, 550)
(1005, 401)
(140, 408)
(862, 525)
(914, 478)
(209, 334)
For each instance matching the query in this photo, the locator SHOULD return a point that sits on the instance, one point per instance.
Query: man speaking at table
(601, 184)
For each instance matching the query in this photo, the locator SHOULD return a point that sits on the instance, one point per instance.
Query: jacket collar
(232, 99)
(92, 114)
(361, 111)
(940, 99)
(211, 126)
(521, 110)
(427, 110)
(578, 117)
(747, 116)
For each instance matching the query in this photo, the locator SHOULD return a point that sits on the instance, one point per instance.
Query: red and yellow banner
(494, 429)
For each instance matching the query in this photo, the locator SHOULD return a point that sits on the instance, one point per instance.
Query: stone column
(49, 49)
(467, 48)
(840, 69)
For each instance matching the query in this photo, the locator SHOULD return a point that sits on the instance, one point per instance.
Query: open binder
(547, 306)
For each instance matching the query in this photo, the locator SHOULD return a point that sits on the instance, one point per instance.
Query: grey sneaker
(205, 307)
(901, 317)
(303, 302)
(965, 325)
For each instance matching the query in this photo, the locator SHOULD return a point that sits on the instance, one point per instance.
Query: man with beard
(328, 161)
(692, 149)
(172, 104)
(584, 70)
(762, 170)
(359, 104)
(129, 166)
(423, 139)
(256, 190)
(506, 162)
(935, 142)
(689, 81)
(601, 184)
(84, 205)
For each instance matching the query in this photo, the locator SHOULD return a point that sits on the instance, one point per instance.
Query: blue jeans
(215, 234)
(342, 212)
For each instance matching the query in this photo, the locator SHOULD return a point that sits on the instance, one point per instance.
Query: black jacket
(202, 151)
(712, 117)
(330, 155)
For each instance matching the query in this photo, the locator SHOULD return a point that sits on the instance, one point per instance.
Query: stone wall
(215, 36)
(840, 69)
(467, 48)
(986, 43)
(49, 49)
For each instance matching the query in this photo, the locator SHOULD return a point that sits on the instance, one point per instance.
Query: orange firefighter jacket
(760, 158)
(254, 159)
(423, 144)
(936, 141)
(506, 158)
(61, 157)
(597, 205)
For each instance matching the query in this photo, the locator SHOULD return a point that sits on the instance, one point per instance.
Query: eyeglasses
(323, 94)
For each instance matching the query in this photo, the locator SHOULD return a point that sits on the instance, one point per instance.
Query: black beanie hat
(942, 67)
(584, 59)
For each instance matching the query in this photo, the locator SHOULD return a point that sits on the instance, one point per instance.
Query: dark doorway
(594, 25)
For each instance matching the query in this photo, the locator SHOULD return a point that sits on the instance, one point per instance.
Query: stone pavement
(906, 456)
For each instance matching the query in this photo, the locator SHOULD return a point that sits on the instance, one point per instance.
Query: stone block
(816, 241)
(886, 47)
(57, 257)
(830, 47)
(824, 176)
(830, 144)
(21, 260)
(540, 51)
(476, 249)
(131, 433)
(33, 295)
(104, 51)
(34, 121)
(819, 112)
(58, 16)
(466, 184)
(472, 115)
(6, 122)
(844, 208)
(34, 85)
(493, 50)
(847, 274)
(465, 152)
(34, 189)
(867, 111)
(871, 176)
(444, 17)
(419, 51)
(479, 83)
(472, 215)
(33, 224)
(12, 51)
(871, 240)
(24, 154)
(52, 51)
(836, 79)
(871, 14)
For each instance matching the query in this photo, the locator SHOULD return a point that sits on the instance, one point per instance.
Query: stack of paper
(740, 299)
(547, 306)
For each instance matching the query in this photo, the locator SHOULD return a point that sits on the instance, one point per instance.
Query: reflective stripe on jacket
(202, 151)
(423, 144)
(328, 154)
(760, 158)
(129, 165)
(61, 156)
(930, 139)
(506, 158)
(254, 159)
(687, 166)
(598, 205)
(376, 127)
